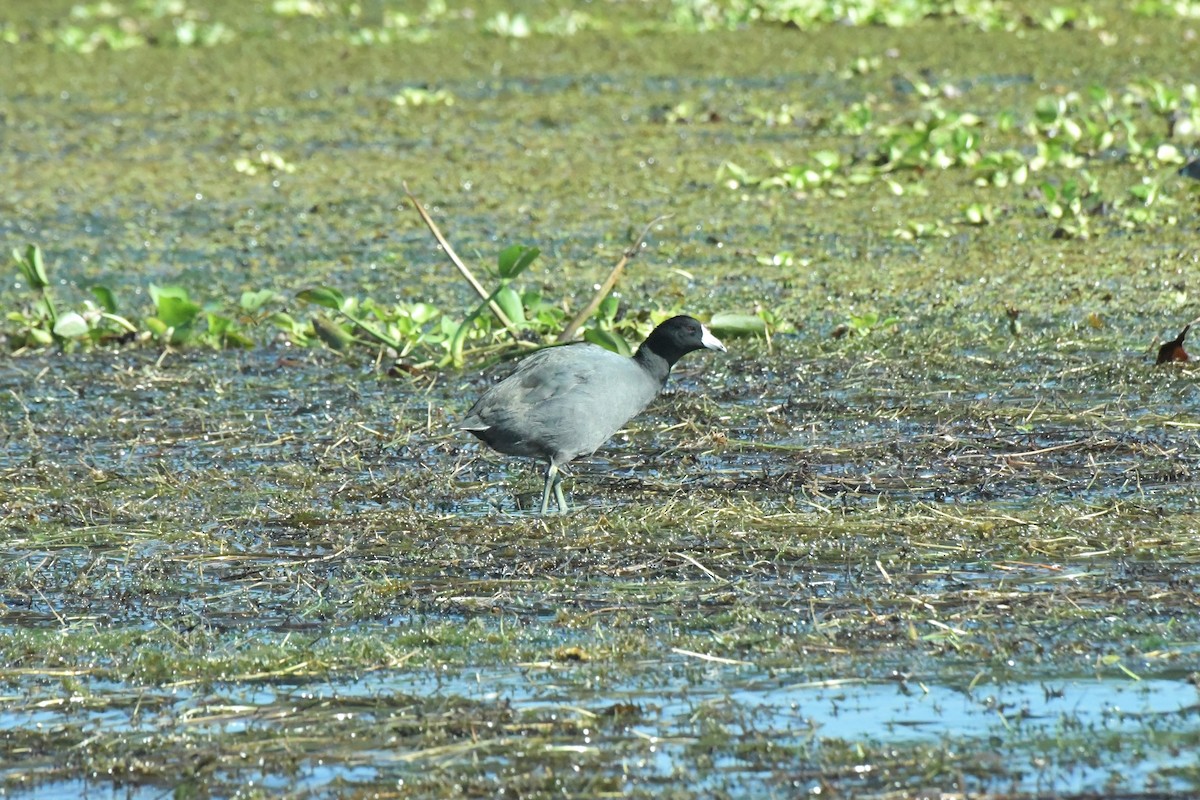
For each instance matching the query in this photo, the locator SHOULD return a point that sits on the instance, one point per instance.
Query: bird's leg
(551, 474)
(559, 496)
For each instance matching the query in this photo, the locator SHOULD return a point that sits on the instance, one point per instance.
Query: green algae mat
(930, 529)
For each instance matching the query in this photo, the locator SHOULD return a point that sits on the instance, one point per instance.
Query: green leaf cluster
(1050, 146)
(419, 334)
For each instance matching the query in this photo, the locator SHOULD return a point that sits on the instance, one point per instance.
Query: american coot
(564, 402)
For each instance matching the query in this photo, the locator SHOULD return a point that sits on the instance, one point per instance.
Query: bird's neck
(654, 363)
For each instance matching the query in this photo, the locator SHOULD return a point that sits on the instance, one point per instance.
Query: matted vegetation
(322, 595)
(929, 528)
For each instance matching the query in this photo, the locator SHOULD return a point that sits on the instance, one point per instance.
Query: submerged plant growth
(931, 530)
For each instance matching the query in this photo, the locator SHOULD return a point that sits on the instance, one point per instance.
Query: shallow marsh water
(199, 563)
(937, 557)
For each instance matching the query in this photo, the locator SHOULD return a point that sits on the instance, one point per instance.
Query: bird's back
(561, 403)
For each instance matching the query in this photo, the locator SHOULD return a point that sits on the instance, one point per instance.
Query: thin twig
(462, 268)
(568, 333)
(714, 576)
(715, 659)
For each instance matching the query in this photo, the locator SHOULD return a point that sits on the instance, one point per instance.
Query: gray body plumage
(561, 403)
(564, 402)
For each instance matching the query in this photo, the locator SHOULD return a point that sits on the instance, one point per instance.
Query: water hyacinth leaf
(979, 214)
(287, 323)
(176, 312)
(516, 259)
(70, 326)
(40, 336)
(532, 298)
(173, 306)
(157, 292)
(225, 333)
(323, 296)
(1167, 153)
(1146, 192)
(236, 338)
(105, 297)
(514, 26)
(423, 312)
(737, 175)
(253, 301)
(608, 307)
(218, 325)
(157, 327)
(33, 254)
(729, 323)
(119, 321)
(383, 337)
(1047, 109)
(1071, 129)
(32, 267)
(507, 258)
(332, 334)
(550, 317)
(608, 340)
(510, 303)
